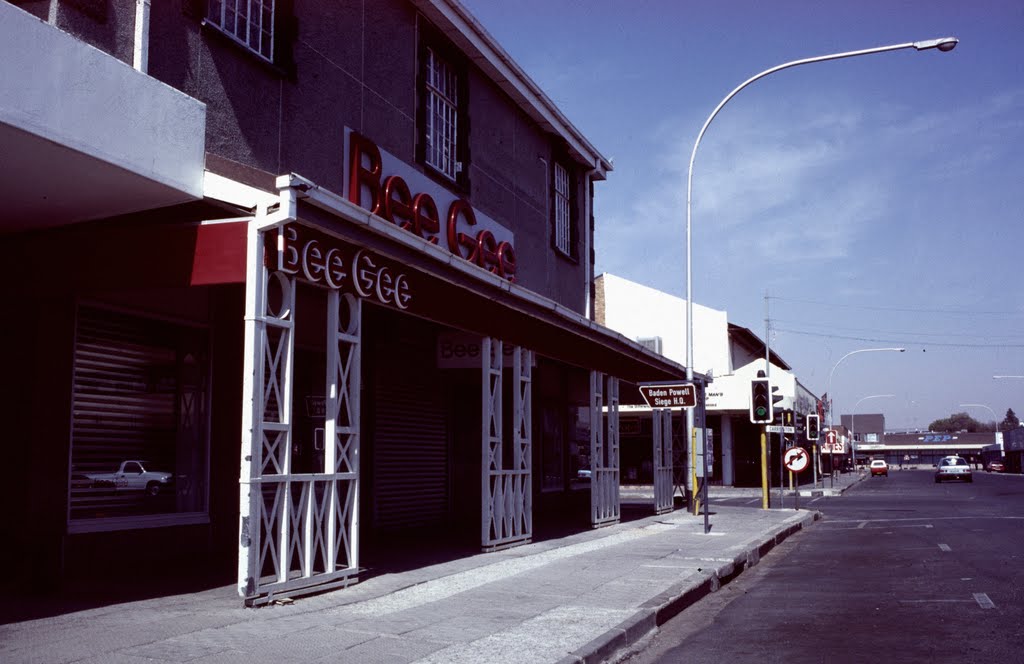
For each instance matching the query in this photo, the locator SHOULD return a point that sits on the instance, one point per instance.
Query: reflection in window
(139, 418)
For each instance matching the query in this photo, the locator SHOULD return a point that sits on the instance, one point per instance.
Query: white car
(879, 467)
(953, 468)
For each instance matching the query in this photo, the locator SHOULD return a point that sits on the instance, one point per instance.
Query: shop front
(342, 307)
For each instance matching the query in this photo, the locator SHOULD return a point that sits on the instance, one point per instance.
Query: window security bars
(249, 22)
(442, 117)
(563, 221)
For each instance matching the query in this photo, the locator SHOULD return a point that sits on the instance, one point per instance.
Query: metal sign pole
(704, 453)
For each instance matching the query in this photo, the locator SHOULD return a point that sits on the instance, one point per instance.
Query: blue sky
(878, 200)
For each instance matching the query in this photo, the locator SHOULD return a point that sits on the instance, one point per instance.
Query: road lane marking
(944, 547)
(926, 518)
(886, 526)
(983, 601)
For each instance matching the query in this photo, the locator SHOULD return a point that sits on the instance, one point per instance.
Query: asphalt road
(900, 569)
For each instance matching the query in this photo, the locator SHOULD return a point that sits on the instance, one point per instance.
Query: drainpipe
(141, 55)
(588, 232)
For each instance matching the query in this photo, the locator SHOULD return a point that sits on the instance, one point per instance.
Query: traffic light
(761, 410)
(812, 427)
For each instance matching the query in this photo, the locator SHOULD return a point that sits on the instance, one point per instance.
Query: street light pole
(943, 44)
(853, 448)
(828, 388)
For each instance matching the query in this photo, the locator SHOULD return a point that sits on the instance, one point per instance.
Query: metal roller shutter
(137, 395)
(410, 441)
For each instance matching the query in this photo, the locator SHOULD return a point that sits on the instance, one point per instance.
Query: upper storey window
(442, 117)
(563, 212)
(442, 121)
(249, 22)
(564, 231)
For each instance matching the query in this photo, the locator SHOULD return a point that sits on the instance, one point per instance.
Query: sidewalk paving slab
(580, 598)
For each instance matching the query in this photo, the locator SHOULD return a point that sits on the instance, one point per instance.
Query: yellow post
(693, 472)
(764, 470)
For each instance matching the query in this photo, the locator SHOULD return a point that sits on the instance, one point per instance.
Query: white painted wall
(636, 311)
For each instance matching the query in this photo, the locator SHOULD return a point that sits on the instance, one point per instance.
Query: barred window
(563, 212)
(249, 22)
(442, 117)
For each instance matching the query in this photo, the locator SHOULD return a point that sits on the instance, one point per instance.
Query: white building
(732, 354)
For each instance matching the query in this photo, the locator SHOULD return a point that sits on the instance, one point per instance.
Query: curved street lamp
(853, 414)
(943, 44)
(995, 419)
(828, 389)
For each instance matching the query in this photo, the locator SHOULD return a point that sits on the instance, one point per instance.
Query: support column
(661, 420)
(604, 450)
(506, 493)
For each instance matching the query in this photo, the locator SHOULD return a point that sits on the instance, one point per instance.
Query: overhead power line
(910, 333)
(899, 341)
(910, 310)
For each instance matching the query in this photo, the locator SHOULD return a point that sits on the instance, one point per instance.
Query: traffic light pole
(764, 467)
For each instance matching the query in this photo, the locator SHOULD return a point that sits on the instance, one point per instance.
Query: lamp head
(944, 44)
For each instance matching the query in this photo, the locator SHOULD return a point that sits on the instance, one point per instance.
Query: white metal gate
(661, 419)
(604, 449)
(297, 530)
(506, 493)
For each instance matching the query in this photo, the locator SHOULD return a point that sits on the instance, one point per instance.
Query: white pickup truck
(133, 476)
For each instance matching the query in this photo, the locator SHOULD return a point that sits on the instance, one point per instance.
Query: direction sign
(678, 395)
(796, 459)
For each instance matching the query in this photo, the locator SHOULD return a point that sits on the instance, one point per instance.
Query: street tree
(959, 422)
(1011, 421)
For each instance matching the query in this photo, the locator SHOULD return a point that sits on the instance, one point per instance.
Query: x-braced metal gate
(661, 419)
(604, 450)
(506, 492)
(297, 530)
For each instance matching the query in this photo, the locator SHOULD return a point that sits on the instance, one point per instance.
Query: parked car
(879, 467)
(953, 468)
(996, 467)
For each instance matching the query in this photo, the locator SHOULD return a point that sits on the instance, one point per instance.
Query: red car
(879, 467)
(995, 467)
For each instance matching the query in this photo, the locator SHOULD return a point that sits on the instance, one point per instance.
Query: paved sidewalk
(575, 599)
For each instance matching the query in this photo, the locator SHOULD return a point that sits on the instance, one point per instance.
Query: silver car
(953, 468)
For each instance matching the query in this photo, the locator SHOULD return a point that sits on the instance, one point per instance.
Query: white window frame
(248, 22)
(563, 210)
(442, 116)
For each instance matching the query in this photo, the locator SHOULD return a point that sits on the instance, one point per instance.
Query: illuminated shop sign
(397, 192)
(321, 259)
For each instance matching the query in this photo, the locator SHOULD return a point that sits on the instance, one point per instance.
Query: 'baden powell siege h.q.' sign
(678, 395)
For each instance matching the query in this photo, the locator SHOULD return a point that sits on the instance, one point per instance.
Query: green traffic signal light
(760, 401)
(812, 427)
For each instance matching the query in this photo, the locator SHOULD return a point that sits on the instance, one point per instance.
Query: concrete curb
(659, 610)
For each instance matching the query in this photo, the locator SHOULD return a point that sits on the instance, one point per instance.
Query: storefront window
(139, 423)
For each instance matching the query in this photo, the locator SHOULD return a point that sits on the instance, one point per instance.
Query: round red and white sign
(796, 459)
